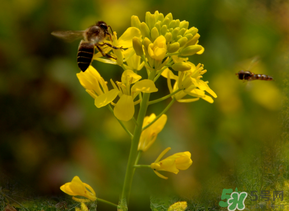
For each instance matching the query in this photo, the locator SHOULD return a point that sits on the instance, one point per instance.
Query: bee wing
(68, 36)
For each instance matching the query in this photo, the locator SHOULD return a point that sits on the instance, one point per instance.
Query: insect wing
(68, 36)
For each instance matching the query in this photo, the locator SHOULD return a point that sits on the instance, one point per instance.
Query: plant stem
(106, 202)
(133, 151)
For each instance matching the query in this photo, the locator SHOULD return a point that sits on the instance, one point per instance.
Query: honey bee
(249, 76)
(92, 36)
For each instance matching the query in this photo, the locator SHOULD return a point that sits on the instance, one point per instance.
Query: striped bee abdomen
(85, 55)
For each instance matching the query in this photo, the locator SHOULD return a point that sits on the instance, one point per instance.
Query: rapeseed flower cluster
(161, 46)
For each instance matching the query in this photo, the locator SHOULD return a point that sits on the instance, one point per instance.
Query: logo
(233, 200)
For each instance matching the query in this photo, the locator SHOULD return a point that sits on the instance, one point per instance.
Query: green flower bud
(175, 33)
(189, 36)
(173, 24)
(182, 31)
(164, 29)
(154, 34)
(158, 25)
(169, 16)
(173, 47)
(137, 46)
(150, 19)
(192, 30)
(166, 22)
(182, 41)
(184, 24)
(135, 22)
(181, 66)
(191, 50)
(146, 42)
(168, 37)
(145, 31)
(160, 17)
(193, 40)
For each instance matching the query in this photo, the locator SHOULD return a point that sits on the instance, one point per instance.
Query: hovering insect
(249, 76)
(93, 36)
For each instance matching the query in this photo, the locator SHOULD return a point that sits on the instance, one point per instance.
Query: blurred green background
(51, 130)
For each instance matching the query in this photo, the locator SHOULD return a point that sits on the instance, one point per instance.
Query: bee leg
(103, 54)
(110, 45)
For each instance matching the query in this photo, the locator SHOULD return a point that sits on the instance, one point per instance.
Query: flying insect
(93, 36)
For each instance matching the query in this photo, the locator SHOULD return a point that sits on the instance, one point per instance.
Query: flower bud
(175, 33)
(173, 47)
(192, 30)
(191, 50)
(154, 33)
(181, 66)
(184, 24)
(169, 16)
(182, 41)
(135, 22)
(193, 40)
(145, 31)
(137, 46)
(182, 31)
(150, 19)
(168, 37)
(164, 29)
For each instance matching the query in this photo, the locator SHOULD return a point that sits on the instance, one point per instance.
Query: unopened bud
(135, 22)
(137, 46)
(173, 47)
(144, 29)
(154, 34)
(181, 66)
(191, 50)
(182, 41)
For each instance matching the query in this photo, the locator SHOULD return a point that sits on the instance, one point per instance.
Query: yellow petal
(125, 39)
(106, 98)
(145, 86)
(124, 108)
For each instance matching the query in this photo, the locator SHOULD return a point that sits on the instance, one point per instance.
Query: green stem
(164, 111)
(120, 122)
(164, 98)
(142, 166)
(133, 155)
(106, 202)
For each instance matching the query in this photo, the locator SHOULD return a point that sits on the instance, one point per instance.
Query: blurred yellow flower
(149, 135)
(83, 207)
(178, 206)
(174, 163)
(78, 188)
(96, 86)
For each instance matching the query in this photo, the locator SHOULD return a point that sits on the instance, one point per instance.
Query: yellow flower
(174, 163)
(158, 49)
(178, 206)
(190, 83)
(78, 188)
(124, 108)
(83, 207)
(96, 86)
(149, 135)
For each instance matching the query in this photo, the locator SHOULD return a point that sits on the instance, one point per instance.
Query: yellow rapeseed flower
(174, 163)
(96, 86)
(129, 88)
(78, 188)
(149, 135)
